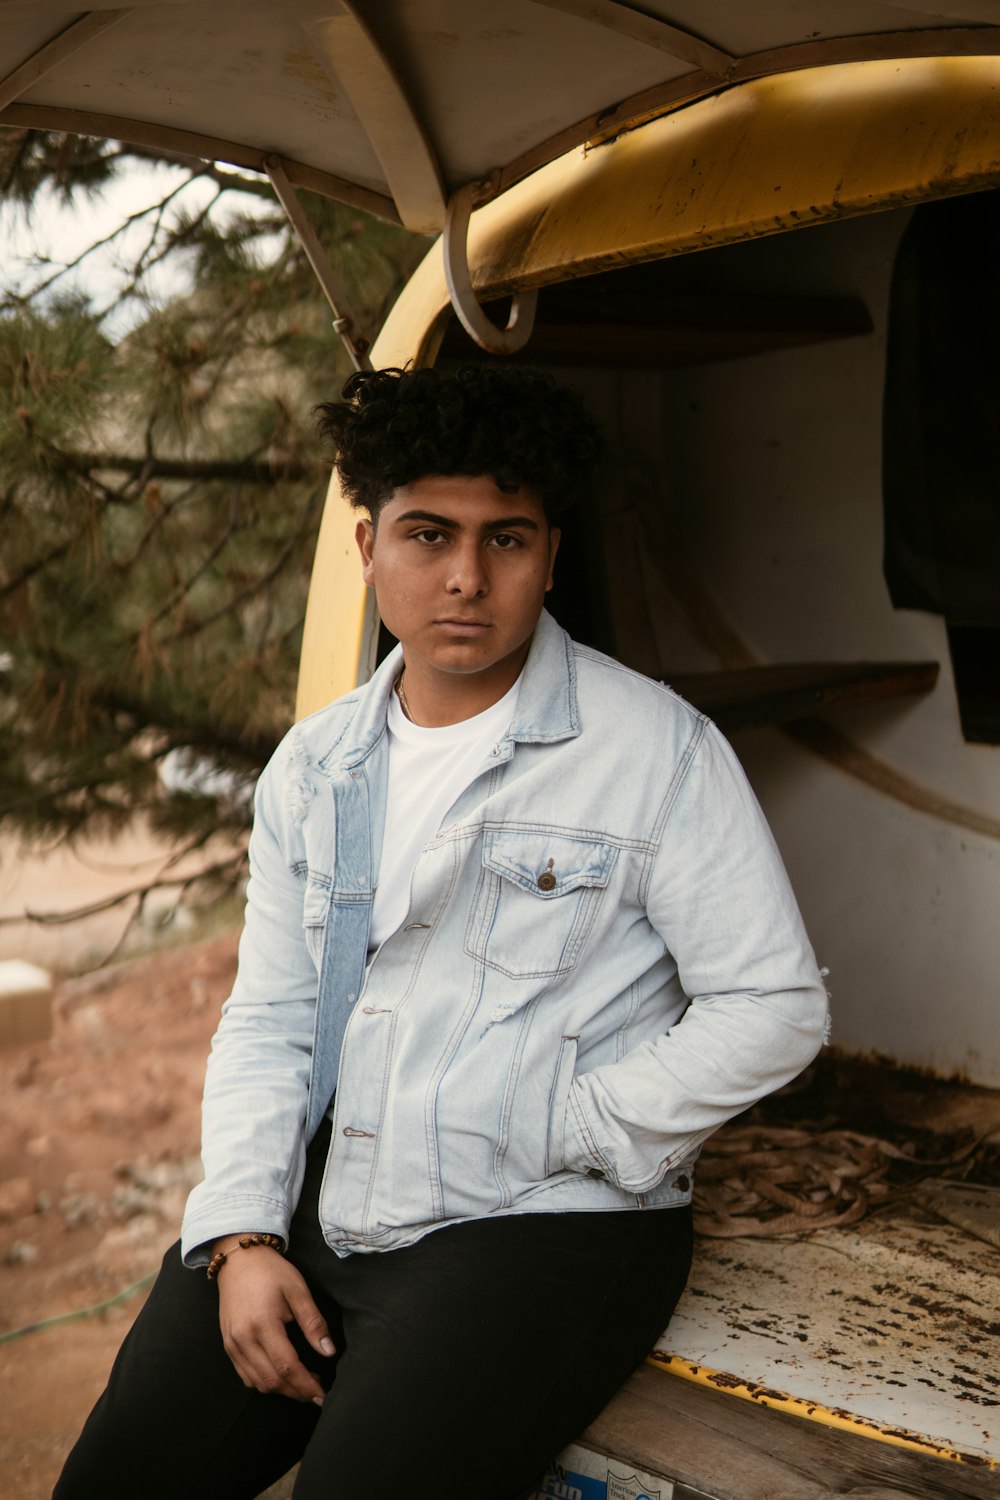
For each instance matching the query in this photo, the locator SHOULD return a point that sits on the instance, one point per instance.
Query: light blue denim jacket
(602, 962)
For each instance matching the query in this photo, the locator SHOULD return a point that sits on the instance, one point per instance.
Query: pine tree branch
(108, 903)
(37, 565)
(244, 470)
(17, 157)
(188, 734)
(219, 544)
(61, 549)
(165, 510)
(77, 261)
(218, 374)
(147, 260)
(230, 179)
(182, 733)
(107, 496)
(52, 796)
(233, 872)
(228, 870)
(263, 580)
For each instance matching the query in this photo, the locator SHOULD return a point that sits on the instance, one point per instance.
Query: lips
(459, 626)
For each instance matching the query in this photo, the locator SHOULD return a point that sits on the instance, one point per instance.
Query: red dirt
(98, 1148)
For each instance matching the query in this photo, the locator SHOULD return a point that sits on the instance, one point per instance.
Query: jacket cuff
(231, 1214)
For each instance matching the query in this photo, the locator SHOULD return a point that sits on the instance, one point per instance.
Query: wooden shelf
(753, 696)
(634, 317)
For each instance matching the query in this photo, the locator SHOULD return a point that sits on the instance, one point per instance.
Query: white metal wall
(771, 475)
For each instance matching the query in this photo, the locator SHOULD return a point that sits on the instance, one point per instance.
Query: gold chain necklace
(400, 694)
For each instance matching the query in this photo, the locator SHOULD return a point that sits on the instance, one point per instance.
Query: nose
(468, 575)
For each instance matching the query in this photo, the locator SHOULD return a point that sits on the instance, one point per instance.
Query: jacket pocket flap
(548, 864)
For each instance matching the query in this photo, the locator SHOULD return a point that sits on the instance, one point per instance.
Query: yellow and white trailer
(692, 209)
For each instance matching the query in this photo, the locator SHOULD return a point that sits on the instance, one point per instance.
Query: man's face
(460, 571)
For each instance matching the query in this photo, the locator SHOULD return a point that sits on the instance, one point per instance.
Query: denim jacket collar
(546, 710)
(366, 725)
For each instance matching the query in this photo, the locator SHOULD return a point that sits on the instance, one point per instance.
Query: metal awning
(412, 108)
(394, 104)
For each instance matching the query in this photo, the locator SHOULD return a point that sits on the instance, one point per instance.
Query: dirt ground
(98, 1149)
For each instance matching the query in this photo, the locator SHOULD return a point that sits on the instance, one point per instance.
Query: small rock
(160, 1176)
(78, 1209)
(21, 1253)
(141, 1230)
(15, 1198)
(127, 1202)
(91, 1019)
(25, 1077)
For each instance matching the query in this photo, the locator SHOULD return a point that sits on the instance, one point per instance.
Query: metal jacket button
(546, 881)
(682, 1183)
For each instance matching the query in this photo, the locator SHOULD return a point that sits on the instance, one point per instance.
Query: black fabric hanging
(941, 439)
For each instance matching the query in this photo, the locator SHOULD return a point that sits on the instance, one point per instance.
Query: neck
(434, 699)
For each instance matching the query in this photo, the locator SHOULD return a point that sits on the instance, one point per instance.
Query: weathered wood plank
(752, 696)
(736, 1450)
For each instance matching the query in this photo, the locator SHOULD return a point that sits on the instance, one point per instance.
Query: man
(517, 941)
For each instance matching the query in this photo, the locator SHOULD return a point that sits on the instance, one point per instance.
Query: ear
(364, 535)
(555, 535)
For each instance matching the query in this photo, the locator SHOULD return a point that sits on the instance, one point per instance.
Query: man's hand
(259, 1293)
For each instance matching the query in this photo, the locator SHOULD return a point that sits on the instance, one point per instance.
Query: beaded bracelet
(246, 1242)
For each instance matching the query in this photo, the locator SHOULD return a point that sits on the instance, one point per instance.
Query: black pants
(465, 1362)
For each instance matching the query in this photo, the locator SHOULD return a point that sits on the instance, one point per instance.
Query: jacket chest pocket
(536, 901)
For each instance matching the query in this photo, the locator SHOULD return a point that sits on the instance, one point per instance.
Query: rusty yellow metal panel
(776, 154)
(335, 614)
(764, 157)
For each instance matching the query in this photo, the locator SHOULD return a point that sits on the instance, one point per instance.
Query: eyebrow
(448, 523)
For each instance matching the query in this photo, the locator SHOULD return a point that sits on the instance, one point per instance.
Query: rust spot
(301, 64)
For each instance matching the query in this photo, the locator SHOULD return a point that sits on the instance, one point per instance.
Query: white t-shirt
(429, 769)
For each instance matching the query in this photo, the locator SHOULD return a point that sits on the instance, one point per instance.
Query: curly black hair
(513, 423)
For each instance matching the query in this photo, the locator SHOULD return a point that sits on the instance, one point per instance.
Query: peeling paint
(890, 1327)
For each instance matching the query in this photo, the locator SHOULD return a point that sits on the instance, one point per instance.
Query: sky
(61, 233)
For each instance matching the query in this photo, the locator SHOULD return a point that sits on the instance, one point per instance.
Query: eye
(506, 541)
(429, 535)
